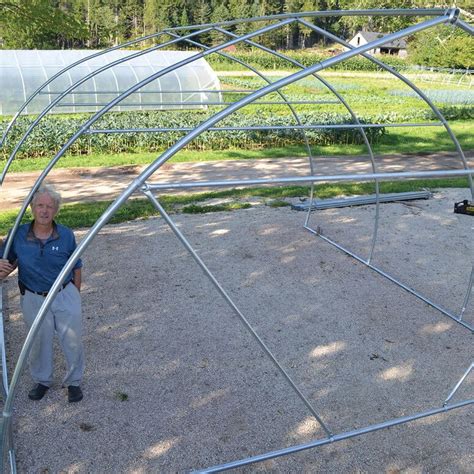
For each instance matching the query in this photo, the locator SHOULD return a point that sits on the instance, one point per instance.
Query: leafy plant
(256, 58)
(443, 46)
(54, 131)
(121, 396)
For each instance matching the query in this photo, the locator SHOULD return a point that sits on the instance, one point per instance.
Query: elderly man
(40, 249)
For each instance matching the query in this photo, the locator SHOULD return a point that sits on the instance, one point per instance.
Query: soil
(174, 381)
(92, 184)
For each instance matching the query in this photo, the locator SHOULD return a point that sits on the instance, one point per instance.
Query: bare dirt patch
(93, 184)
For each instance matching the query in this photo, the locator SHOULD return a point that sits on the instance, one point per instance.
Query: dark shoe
(37, 392)
(74, 394)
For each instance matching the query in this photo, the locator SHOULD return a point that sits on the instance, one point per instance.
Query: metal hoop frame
(141, 184)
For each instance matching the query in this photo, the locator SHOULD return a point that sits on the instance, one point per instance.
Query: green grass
(277, 203)
(125, 159)
(84, 215)
(228, 206)
(426, 139)
(400, 140)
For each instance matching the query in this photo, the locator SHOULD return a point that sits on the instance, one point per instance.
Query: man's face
(44, 209)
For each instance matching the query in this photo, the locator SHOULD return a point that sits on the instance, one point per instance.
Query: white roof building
(397, 47)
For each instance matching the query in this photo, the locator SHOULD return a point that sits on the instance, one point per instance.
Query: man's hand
(5, 268)
(77, 278)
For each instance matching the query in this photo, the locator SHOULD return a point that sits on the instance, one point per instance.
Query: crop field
(369, 95)
(373, 97)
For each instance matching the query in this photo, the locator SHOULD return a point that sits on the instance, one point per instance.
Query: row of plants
(446, 96)
(261, 60)
(309, 83)
(55, 131)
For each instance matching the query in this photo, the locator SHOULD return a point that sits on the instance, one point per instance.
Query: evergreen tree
(103, 23)
(184, 20)
(131, 20)
(150, 17)
(30, 24)
(240, 9)
(202, 16)
(293, 30)
(220, 12)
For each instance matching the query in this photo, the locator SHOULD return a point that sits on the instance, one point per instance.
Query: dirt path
(92, 184)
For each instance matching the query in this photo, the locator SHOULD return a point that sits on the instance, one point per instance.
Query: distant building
(397, 47)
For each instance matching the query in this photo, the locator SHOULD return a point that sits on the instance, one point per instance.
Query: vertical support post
(2, 344)
(468, 294)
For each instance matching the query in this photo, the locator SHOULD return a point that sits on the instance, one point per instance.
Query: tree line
(60, 24)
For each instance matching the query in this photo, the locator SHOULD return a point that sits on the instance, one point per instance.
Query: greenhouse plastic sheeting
(24, 71)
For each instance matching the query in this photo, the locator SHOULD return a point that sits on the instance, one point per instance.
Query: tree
(293, 30)
(30, 24)
(202, 16)
(220, 13)
(381, 24)
(305, 32)
(101, 23)
(443, 46)
(150, 17)
(130, 19)
(238, 10)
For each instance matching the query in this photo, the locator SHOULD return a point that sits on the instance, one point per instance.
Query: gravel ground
(174, 382)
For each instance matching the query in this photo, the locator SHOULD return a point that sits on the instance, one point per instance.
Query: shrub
(443, 47)
(259, 59)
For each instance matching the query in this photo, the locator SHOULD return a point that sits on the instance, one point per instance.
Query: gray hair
(50, 191)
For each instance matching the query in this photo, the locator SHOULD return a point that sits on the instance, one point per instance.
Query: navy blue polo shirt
(40, 263)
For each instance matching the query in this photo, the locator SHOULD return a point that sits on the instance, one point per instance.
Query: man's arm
(77, 278)
(6, 268)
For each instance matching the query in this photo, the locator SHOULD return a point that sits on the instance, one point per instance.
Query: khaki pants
(64, 318)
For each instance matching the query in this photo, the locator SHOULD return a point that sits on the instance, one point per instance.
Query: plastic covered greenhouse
(22, 72)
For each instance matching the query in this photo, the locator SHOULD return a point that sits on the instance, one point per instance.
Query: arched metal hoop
(140, 183)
